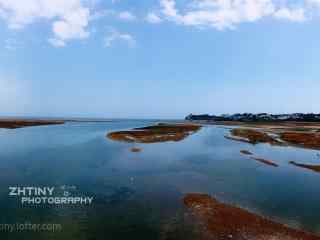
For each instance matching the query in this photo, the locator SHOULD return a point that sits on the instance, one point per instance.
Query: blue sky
(158, 58)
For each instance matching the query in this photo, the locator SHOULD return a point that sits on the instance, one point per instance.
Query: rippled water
(139, 195)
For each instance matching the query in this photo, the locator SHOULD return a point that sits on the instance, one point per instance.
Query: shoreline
(279, 133)
(14, 123)
(263, 124)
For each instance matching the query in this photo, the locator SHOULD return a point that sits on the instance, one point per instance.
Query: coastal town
(251, 117)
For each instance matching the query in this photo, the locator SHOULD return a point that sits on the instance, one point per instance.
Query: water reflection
(138, 196)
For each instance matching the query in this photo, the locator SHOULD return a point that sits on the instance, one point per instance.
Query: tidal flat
(20, 123)
(173, 180)
(306, 135)
(161, 132)
(223, 221)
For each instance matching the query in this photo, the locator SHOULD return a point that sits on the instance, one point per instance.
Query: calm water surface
(139, 195)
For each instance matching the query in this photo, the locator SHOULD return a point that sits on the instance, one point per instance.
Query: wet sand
(222, 221)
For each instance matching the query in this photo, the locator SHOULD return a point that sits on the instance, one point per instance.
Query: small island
(162, 132)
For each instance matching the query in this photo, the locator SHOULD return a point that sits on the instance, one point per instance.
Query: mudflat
(223, 221)
(17, 123)
(253, 136)
(300, 134)
(161, 132)
(305, 139)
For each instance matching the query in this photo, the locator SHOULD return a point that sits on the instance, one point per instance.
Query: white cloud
(56, 42)
(127, 16)
(296, 15)
(313, 1)
(224, 14)
(69, 17)
(73, 26)
(124, 15)
(99, 14)
(115, 35)
(169, 8)
(153, 18)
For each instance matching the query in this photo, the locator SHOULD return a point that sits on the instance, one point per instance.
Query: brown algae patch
(224, 221)
(246, 152)
(315, 168)
(252, 136)
(304, 139)
(267, 162)
(157, 133)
